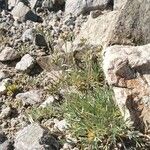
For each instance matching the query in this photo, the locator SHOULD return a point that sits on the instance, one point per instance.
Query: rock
(3, 75)
(30, 97)
(7, 145)
(127, 70)
(29, 35)
(81, 6)
(22, 13)
(8, 54)
(3, 137)
(48, 101)
(25, 64)
(12, 3)
(51, 100)
(29, 139)
(119, 4)
(53, 5)
(6, 112)
(61, 125)
(132, 25)
(33, 3)
(3, 87)
(40, 40)
(98, 29)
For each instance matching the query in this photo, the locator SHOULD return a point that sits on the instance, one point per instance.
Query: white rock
(3, 84)
(5, 112)
(30, 97)
(48, 101)
(26, 63)
(3, 75)
(61, 125)
(8, 54)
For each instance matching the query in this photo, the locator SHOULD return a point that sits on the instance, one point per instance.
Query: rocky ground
(39, 49)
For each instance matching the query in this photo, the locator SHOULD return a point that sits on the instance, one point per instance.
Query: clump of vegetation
(97, 123)
(40, 113)
(91, 112)
(12, 89)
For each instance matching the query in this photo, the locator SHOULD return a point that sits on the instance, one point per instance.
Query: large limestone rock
(127, 70)
(34, 137)
(133, 24)
(98, 29)
(83, 6)
(128, 24)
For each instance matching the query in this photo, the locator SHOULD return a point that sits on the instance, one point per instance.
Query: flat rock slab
(34, 137)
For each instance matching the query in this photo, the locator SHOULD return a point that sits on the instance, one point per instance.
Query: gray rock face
(127, 70)
(35, 137)
(98, 29)
(132, 25)
(119, 4)
(81, 6)
(26, 63)
(30, 97)
(8, 54)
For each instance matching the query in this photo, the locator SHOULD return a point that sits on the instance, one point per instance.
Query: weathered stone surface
(3, 75)
(30, 97)
(26, 63)
(3, 87)
(29, 34)
(5, 112)
(35, 137)
(127, 70)
(119, 4)
(8, 54)
(81, 6)
(12, 3)
(22, 12)
(98, 29)
(7, 145)
(132, 25)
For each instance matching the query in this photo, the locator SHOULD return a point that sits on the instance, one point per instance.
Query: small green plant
(12, 89)
(40, 113)
(97, 123)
